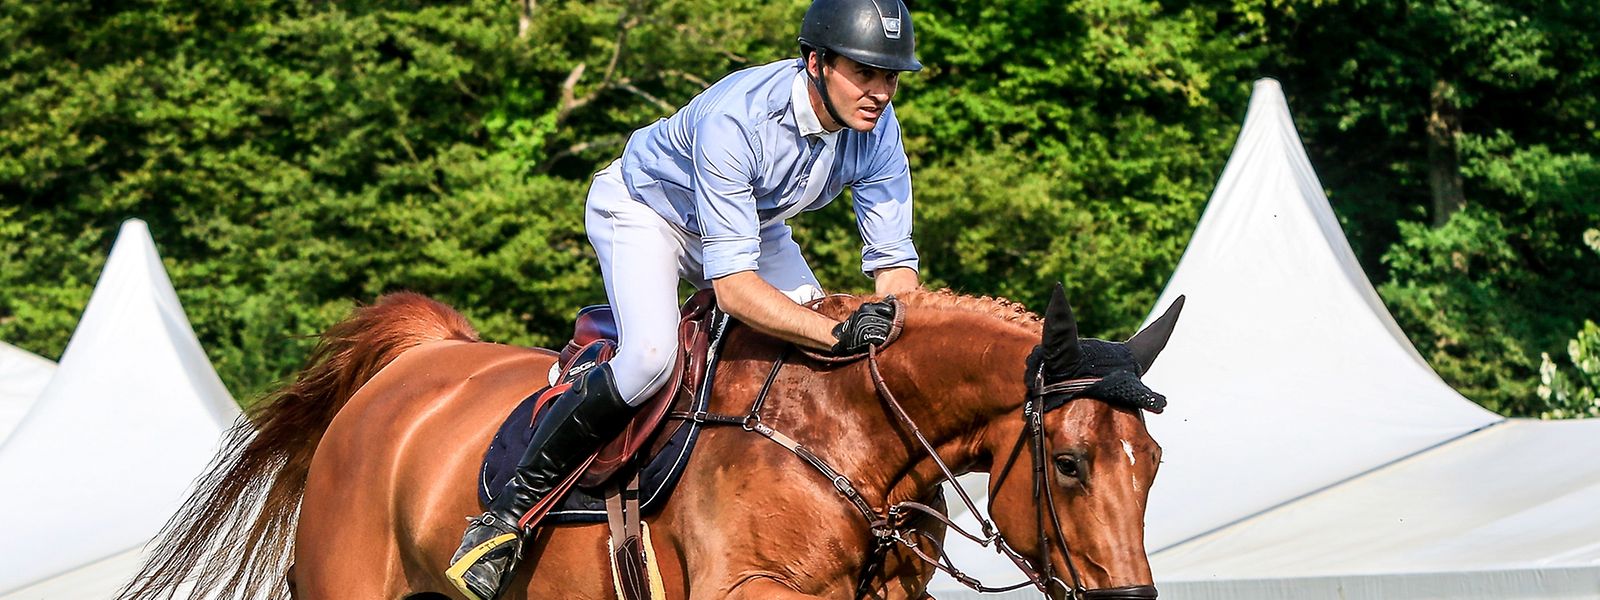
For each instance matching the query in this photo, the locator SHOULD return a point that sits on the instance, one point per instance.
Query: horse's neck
(951, 381)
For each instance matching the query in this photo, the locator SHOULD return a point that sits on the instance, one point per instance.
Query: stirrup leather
(458, 570)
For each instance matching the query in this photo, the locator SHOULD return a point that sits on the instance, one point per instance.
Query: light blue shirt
(737, 159)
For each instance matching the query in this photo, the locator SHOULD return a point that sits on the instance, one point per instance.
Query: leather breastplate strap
(751, 422)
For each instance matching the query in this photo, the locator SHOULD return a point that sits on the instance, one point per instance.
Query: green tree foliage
(1506, 279)
(1368, 77)
(1573, 394)
(290, 157)
(296, 157)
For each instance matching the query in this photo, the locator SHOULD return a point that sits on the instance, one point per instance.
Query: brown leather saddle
(597, 325)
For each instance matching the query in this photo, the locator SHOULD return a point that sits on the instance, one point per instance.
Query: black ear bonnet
(1108, 371)
(1112, 363)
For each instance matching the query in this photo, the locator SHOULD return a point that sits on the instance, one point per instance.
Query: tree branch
(545, 165)
(569, 102)
(690, 77)
(692, 34)
(625, 23)
(661, 104)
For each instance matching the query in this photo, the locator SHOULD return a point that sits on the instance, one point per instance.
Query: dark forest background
(294, 158)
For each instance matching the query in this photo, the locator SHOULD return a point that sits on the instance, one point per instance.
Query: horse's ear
(1147, 344)
(1061, 351)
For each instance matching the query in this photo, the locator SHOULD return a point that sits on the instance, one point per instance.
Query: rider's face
(860, 93)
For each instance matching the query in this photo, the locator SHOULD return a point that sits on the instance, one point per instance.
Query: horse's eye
(1067, 466)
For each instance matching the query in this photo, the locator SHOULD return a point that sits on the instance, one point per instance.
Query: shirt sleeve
(883, 203)
(725, 165)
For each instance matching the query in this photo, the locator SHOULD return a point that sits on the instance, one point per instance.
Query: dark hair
(807, 49)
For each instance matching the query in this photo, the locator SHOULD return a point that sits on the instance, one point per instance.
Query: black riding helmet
(876, 33)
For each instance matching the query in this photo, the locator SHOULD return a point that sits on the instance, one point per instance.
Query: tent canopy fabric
(111, 446)
(23, 376)
(1512, 496)
(1507, 512)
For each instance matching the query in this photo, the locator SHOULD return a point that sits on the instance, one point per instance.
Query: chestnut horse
(363, 471)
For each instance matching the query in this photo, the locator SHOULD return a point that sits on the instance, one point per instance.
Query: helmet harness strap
(820, 83)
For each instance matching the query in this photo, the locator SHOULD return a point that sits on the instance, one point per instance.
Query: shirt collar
(805, 116)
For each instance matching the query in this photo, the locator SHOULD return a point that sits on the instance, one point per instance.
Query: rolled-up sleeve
(725, 164)
(883, 204)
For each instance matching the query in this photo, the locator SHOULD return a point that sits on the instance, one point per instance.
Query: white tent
(1310, 452)
(1508, 512)
(23, 375)
(110, 448)
(1286, 372)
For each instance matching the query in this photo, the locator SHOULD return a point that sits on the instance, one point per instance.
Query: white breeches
(642, 257)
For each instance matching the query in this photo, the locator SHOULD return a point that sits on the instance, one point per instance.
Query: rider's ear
(1061, 352)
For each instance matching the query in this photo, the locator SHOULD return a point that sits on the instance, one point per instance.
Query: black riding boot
(576, 425)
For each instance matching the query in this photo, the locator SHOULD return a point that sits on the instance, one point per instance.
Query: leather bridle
(1043, 576)
(890, 526)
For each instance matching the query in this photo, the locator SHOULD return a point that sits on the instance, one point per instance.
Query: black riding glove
(868, 325)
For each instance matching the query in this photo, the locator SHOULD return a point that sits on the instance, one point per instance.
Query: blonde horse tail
(235, 533)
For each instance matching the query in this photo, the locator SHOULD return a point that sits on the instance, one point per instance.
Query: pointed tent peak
(133, 238)
(1266, 94)
(1269, 109)
(134, 261)
(1266, 89)
(138, 228)
(135, 285)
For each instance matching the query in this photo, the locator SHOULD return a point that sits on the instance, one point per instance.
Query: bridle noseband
(892, 528)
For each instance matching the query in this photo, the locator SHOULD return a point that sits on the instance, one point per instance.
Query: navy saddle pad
(656, 478)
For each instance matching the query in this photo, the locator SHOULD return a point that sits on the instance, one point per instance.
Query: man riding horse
(703, 196)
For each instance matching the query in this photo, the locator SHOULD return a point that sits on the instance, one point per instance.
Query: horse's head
(1070, 494)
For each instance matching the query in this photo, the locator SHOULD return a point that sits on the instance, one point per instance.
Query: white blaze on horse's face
(1128, 450)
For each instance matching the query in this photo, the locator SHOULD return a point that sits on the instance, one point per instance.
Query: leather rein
(889, 526)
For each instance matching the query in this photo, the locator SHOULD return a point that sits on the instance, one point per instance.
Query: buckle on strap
(842, 483)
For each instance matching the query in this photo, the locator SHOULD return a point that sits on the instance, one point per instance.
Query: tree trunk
(1444, 162)
(525, 21)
